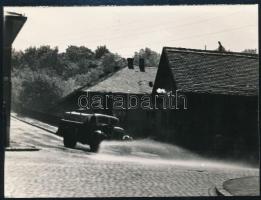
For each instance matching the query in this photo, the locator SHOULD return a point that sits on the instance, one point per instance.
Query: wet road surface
(143, 168)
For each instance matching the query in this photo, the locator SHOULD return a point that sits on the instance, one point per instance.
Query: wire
(146, 30)
(212, 33)
(194, 36)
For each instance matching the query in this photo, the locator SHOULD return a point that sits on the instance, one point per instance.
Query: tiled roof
(214, 72)
(127, 81)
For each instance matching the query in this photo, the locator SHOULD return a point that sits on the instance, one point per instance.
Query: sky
(127, 29)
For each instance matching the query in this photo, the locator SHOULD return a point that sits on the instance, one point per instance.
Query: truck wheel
(69, 140)
(94, 146)
(127, 138)
(59, 132)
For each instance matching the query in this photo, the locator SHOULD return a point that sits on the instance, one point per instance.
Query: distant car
(90, 129)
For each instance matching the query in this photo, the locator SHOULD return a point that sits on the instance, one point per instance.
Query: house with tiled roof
(213, 72)
(221, 90)
(127, 80)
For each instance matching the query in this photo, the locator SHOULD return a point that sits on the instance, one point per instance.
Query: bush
(41, 92)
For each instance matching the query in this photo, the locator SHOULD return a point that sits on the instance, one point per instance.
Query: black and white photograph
(130, 101)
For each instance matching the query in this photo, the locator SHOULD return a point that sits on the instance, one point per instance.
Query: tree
(16, 59)
(251, 51)
(41, 91)
(101, 51)
(151, 57)
(74, 53)
(47, 57)
(30, 58)
(41, 76)
(112, 62)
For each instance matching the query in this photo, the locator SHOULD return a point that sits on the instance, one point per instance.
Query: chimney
(142, 64)
(130, 63)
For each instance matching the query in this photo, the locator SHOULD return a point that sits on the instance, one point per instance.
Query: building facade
(221, 90)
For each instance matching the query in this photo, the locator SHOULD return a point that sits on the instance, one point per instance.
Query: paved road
(140, 168)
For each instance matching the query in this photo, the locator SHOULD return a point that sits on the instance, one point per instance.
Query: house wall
(213, 123)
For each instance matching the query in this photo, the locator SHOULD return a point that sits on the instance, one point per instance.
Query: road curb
(37, 126)
(212, 191)
(21, 149)
(243, 186)
(221, 191)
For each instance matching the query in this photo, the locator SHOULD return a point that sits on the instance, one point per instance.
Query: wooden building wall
(213, 123)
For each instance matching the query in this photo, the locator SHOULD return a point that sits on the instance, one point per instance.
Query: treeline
(41, 76)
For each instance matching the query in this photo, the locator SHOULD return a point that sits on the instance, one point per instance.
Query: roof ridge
(211, 52)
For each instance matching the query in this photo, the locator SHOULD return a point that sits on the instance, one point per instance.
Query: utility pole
(13, 23)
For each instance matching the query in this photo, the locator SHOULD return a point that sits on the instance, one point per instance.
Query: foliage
(251, 51)
(41, 76)
(151, 57)
(112, 63)
(101, 51)
(40, 91)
